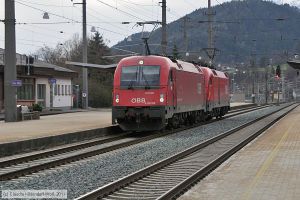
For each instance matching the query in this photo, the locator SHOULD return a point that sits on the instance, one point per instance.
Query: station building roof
(40, 67)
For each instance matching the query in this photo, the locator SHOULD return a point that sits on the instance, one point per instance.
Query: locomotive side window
(140, 76)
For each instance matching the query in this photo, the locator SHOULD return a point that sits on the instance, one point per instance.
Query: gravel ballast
(83, 176)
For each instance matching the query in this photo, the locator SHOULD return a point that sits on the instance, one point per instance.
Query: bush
(37, 107)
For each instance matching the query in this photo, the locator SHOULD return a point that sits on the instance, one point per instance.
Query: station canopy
(110, 67)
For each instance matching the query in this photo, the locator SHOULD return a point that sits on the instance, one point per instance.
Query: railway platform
(54, 125)
(267, 168)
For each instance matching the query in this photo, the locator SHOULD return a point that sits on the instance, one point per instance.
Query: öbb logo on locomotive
(138, 100)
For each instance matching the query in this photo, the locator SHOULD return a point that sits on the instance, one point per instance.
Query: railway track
(21, 165)
(169, 178)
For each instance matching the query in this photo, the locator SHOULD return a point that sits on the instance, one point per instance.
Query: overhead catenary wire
(108, 22)
(122, 11)
(42, 4)
(76, 21)
(138, 9)
(46, 34)
(60, 22)
(26, 44)
(138, 4)
(42, 10)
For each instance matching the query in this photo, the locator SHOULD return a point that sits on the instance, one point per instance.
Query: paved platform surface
(54, 125)
(268, 168)
(58, 124)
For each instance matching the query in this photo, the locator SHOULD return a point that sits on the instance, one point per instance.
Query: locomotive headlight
(117, 98)
(161, 99)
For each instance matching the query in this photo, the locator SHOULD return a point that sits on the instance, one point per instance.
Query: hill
(243, 30)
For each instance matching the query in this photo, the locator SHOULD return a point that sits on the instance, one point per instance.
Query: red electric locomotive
(151, 92)
(217, 92)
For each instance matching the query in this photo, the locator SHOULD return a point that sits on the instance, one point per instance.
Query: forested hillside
(241, 28)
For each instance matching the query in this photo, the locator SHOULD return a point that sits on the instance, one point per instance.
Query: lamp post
(85, 100)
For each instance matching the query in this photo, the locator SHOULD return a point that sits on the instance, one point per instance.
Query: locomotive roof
(186, 66)
(160, 58)
(215, 73)
(178, 64)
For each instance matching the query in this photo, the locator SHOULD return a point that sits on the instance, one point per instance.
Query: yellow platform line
(266, 165)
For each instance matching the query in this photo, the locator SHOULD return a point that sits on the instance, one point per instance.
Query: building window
(55, 90)
(41, 91)
(62, 90)
(41, 94)
(69, 88)
(58, 90)
(66, 91)
(26, 91)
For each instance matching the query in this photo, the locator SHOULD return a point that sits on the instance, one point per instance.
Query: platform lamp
(46, 15)
(93, 29)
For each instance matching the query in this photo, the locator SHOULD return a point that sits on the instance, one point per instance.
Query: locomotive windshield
(140, 77)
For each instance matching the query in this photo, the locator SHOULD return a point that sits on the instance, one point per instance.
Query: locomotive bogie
(139, 118)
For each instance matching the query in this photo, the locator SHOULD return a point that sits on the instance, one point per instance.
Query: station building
(42, 83)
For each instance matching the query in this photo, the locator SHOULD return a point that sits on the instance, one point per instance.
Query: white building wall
(61, 99)
(46, 82)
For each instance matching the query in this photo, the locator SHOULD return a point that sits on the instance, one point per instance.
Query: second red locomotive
(152, 92)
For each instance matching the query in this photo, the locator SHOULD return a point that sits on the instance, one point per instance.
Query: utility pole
(211, 49)
(85, 88)
(185, 27)
(164, 28)
(10, 72)
(266, 86)
(283, 87)
(210, 28)
(253, 61)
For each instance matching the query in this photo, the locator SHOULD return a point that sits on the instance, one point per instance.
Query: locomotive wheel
(174, 122)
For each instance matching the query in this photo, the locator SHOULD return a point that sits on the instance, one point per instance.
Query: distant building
(42, 83)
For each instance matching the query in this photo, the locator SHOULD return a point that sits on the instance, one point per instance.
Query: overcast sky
(106, 15)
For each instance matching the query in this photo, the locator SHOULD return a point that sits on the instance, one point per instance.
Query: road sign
(16, 83)
(83, 94)
(52, 81)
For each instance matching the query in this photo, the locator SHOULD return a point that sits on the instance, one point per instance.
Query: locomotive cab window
(129, 75)
(140, 76)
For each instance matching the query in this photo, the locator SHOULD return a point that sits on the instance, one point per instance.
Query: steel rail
(122, 185)
(17, 159)
(7, 174)
(244, 110)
